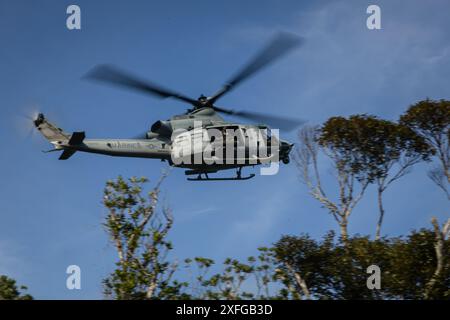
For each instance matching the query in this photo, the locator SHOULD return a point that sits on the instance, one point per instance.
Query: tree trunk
(151, 290)
(381, 216)
(302, 285)
(300, 282)
(439, 248)
(343, 227)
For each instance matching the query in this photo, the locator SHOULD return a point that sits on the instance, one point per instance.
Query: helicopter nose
(286, 147)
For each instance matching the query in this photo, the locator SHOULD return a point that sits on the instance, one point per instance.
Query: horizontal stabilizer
(67, 154)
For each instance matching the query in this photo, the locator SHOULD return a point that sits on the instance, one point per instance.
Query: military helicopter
(165, 137)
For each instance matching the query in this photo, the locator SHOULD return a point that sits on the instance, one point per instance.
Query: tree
(138, 230)
(301, 265)
(383, 151)
(333, 143)
(10, 291)
(229, 282)
(430, 119)
(330, 269)
(411, 267)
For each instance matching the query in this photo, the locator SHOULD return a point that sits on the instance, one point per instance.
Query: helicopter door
(241, 147)
(234, 144)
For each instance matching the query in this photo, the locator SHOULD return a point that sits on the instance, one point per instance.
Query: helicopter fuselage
(182, 142)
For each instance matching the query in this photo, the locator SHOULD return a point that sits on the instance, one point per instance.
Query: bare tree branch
(306, 159)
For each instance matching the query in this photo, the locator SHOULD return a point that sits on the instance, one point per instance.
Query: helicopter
(178, 137)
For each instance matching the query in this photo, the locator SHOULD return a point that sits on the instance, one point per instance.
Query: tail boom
(71, 143)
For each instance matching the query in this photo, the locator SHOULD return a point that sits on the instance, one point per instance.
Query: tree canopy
(9, 290)
(430, 119)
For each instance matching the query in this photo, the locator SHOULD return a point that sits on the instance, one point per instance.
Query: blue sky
(51, 210)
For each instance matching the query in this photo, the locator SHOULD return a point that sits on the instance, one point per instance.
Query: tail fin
(51, 132)
(76, 138)
(60, 139)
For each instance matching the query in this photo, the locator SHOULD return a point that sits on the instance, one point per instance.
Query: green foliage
(336, 270)
(416, 257)
(234, 275)
(138, 232)
(429, 118)
(299, 267)
(373, 150)
(313, 258)
(369, 146)
(10, 291)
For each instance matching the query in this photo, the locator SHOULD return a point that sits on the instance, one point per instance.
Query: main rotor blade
(275, 122)
(279, 46)
(111, 75)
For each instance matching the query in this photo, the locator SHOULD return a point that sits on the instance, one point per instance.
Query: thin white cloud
(196, 213)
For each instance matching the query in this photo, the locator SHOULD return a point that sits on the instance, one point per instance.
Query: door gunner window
(269, 134)
(232, 135)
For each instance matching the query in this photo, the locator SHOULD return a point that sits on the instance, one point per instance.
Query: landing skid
(199, 178)
(207, 178)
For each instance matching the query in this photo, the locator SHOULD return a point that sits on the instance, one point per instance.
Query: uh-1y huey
(165, 137)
